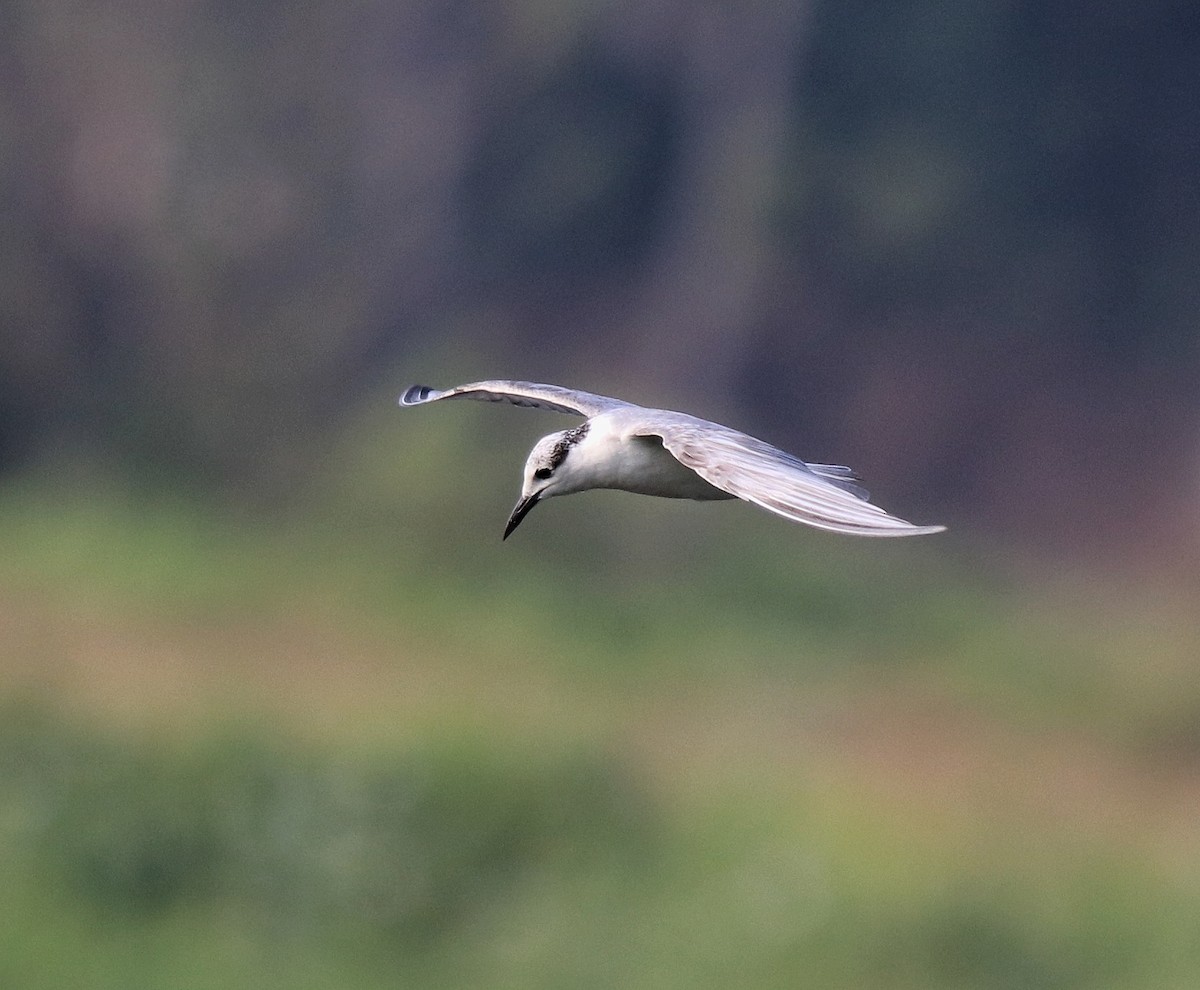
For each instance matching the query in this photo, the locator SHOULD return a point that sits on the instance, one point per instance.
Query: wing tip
(929, 530)
(910, 530)
(416, 394)
(873, 531)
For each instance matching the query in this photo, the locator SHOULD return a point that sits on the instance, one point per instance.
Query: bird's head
(549, 471)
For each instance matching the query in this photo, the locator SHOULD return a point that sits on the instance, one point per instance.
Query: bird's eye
(542, 473)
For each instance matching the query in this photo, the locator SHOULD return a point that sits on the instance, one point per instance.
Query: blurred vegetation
(954, 242)
(279, 708)
(400, 846)
(363, 742)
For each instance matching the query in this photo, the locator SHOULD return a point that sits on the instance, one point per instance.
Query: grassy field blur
(358, 742)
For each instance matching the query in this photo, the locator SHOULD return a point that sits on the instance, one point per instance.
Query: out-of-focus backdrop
(279, 709)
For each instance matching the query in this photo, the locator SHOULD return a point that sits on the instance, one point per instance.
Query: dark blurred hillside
(953, 244)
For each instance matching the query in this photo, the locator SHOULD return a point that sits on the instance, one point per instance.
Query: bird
(672, 455)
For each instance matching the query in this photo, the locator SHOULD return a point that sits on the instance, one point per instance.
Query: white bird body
(673, 455)
(612, 454)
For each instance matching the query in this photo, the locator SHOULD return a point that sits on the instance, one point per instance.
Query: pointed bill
(519, 512)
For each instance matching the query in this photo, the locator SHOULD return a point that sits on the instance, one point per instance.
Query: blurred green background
(279, 709)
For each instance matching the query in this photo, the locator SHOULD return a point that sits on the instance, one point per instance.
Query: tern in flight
(673, 455)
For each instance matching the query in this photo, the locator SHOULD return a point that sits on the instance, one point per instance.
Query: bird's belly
(646, 468)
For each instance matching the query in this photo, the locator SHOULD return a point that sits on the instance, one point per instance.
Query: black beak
(519, 512)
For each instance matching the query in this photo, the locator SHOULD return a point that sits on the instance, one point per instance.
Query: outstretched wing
(822, 495)
(552, 397)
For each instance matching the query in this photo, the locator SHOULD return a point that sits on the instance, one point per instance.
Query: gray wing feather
(821, 495)
(552, 397)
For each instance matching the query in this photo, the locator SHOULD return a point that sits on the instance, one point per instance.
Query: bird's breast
(642, 465)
